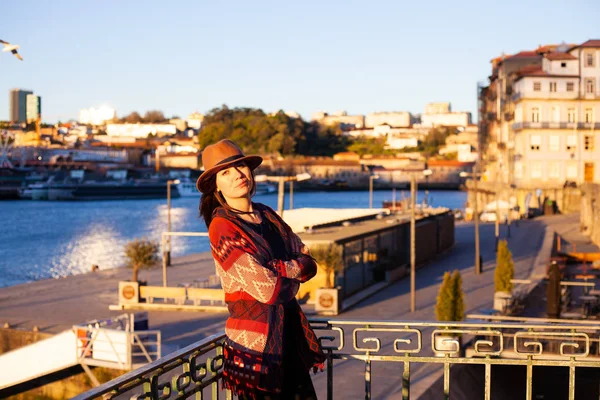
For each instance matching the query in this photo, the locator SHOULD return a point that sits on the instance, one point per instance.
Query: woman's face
(235, 182)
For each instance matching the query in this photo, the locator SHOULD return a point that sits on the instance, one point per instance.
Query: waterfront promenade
(55, 305)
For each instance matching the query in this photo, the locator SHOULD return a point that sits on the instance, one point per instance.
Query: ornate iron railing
(197, 368)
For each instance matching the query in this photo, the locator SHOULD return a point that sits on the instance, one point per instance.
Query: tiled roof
(560, 56)
(590, 43)
(524, 54)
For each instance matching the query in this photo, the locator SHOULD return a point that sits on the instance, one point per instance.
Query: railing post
(529, 387)
(406, 380)
(329, 374)
(367, 378)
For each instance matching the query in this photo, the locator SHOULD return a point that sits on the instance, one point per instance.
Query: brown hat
(219, 156)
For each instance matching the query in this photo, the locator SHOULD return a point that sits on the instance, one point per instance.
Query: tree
(154, 117)
(450, 303)
(363, 145)
(329, 257)
(505, 268)
(436, 138)
(132, 118)
(139, 254)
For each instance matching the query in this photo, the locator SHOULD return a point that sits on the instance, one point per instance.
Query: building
(97, 116)
(194, 120)
(401, 119)
(140, 130)
(34, 108)
(440, 114)
(347, 122)
(21, 108)
(398, 142)
(540, 114)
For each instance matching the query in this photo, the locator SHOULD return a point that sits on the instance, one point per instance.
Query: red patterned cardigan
(256, 288)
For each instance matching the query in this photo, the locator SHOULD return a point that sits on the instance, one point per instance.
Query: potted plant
(139, 254)
(450, 306)
(329, 259)
(505, 272)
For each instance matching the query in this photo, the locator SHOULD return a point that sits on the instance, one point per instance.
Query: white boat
(187, 188)
(265, 188)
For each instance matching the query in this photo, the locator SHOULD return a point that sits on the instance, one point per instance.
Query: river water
(51, 239)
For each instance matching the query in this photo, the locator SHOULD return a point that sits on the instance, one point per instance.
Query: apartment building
(539, 116)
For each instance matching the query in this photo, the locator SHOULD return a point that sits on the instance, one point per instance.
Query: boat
(265, 188)
(107, 190)
(187, 188)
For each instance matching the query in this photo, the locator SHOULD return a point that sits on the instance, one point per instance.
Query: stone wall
(590, 211)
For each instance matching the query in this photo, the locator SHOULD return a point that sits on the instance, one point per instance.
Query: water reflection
(99, 244)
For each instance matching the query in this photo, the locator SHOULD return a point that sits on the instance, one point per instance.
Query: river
(52, 239)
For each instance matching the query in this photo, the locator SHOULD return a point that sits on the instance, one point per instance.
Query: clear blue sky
(183, 56)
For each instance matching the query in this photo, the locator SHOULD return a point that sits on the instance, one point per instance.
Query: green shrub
(329, 257)
(450, 304)
(140, 253)
(505, 268)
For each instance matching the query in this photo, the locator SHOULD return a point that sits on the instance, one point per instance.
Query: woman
(270, 346)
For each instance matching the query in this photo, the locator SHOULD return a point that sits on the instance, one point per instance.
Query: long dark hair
(213, 199)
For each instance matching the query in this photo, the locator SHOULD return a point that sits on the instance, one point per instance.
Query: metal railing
(198, 367)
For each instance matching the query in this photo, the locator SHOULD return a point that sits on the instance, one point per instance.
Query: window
(555, 114)
(571, 117)
(571, 171)
(570, 86)
(554, 143)
(537, 86)
(563, 65)
(518, 170)
(535, 114)
(535, 142)
(588, 142)
(589, 85)
(553, 86)
(589, 59)
(553, 170)
(571, 142)
(588, 115)
(536, 170)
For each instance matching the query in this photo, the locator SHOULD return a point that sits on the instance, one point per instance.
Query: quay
(58, 304)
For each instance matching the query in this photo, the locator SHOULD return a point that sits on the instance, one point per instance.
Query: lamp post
(371, 177)
(167, 254)
(282, 180)
(475, 176)
(413, 222)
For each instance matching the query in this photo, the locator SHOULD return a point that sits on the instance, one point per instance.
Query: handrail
(165, 364)
(530, 343)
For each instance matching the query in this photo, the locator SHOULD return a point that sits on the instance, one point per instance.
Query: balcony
(555, 125)
(197, 369)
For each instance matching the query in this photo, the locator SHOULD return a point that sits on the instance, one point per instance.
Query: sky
(304, 56)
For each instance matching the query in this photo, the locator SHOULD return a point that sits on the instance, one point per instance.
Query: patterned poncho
(258, 290)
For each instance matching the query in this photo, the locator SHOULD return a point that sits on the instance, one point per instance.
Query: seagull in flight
(12, 48)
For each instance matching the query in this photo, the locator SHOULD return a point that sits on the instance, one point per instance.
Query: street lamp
(167, 254)
(282, 180)
(475, 176)
(413, 259)
(371, 177)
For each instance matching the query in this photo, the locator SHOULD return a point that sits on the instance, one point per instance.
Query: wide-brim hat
(222, 155)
